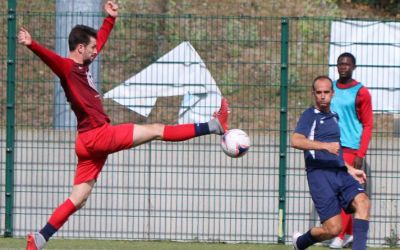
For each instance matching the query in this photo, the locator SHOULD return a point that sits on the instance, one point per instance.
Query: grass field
(18, 243)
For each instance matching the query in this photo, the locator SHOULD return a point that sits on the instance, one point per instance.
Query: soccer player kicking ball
(333, 184)
(96, 137)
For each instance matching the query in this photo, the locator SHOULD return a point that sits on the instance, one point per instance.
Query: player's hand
(332, 147)
(358, 162)
(24, 37)
(357, 174)
(111, 8)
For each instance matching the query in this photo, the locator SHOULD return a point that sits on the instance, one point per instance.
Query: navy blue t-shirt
(319, 126)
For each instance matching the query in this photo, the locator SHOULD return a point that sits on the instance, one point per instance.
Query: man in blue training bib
(333, 184)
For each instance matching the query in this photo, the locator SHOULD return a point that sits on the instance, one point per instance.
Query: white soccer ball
(235, 143)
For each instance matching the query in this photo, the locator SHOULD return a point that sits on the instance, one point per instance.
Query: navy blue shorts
(331, 190)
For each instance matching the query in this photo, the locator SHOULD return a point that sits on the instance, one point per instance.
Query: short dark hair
(80, 34)
(322, 77)
(349, 55)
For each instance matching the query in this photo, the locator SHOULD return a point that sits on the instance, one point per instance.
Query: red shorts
(92, 148)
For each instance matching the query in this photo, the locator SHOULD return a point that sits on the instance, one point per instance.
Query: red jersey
(77, 81)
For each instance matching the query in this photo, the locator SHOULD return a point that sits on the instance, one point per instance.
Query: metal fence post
(283, 127)
(10, 127)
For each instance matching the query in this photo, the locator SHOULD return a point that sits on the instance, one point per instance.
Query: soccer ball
(235, 143)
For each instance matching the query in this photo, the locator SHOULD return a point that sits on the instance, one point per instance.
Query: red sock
(61, 214)
(349, 230)
(179, 132)
(346, 220)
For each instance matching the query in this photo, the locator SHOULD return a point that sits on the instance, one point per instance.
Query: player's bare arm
(24, 37)
(111, 8)
(357, 174)
(358, 162)
(299, 141)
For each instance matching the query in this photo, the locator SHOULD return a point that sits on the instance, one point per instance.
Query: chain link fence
(191, 190)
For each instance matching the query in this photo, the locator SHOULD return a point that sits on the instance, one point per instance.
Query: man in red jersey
(352, 102)
(96, 137)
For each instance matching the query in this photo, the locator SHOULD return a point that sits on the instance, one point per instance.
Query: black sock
(48, 231)
(360, 234)
(201, 129)
(305, 240)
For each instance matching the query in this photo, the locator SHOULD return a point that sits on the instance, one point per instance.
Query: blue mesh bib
(344, 104)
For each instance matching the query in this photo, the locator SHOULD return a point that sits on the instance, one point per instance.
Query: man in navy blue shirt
(333, 184)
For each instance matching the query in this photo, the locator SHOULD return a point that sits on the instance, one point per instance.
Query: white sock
(40, 241)
(215, 127)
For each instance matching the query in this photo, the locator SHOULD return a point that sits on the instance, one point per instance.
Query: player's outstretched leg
(218, 125)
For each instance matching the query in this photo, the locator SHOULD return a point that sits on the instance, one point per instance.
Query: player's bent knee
(362, 205)
(332, 227)
(334, 231)
(362, 202)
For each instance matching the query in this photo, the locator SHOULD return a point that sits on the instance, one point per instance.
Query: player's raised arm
(24, 37)
(102, 35)
(54, 61)
(111, 8)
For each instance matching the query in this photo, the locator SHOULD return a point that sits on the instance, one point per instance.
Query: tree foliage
(392, 6)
